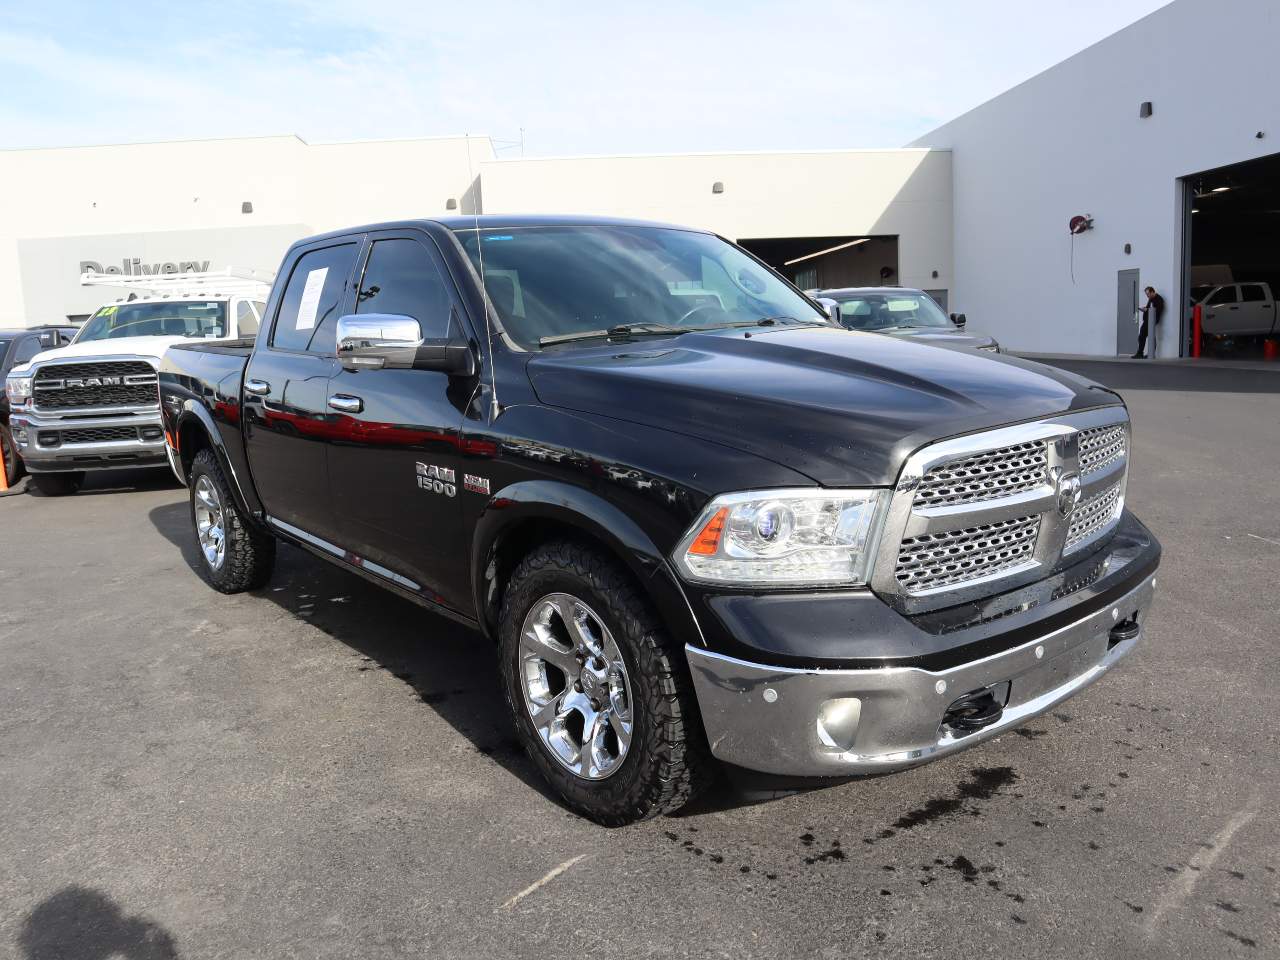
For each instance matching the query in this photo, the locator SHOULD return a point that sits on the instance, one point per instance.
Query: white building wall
(832, 193)
(173, 202)
(1070, 141)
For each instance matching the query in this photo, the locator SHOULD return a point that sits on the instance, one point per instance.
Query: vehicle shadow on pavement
(87, 924)
(450, 668)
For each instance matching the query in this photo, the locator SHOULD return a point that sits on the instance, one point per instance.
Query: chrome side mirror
(959, 319)
(832, 307)
(374, 341)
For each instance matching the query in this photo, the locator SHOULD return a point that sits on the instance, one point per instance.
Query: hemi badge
(475, 484)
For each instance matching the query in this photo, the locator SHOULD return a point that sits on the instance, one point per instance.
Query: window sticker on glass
(899, 306)
(310, 302)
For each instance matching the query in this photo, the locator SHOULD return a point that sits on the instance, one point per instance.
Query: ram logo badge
(435, 479)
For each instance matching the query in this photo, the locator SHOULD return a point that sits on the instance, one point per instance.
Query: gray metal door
(1126, 307)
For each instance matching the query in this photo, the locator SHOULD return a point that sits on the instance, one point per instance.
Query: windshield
(881, 311)
(557, 282)
(178, 318)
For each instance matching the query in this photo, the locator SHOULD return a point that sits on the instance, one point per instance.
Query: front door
(286, 390)
(1126, 307)
(394, 468)
(1221, 310)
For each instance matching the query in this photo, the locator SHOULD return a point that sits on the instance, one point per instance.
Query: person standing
(1152, 311)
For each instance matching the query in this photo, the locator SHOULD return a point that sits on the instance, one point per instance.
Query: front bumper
(45, 446)
(768, 718)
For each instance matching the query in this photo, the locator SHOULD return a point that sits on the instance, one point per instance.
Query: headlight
(18, 389)
(783, 537)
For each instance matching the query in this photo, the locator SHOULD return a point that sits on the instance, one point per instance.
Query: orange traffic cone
(4, 478)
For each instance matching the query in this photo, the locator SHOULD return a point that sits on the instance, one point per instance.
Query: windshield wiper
(620, 330)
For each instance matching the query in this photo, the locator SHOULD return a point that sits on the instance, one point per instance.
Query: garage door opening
(1233, 256)
(814, 263)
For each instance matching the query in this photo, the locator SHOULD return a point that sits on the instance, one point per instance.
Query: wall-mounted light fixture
(1128, 248)
(246, 207)
(1145, 109)
(451, 204)
(717, 187)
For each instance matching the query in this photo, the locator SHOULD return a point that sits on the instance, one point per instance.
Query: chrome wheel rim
(207, 507)
(576, 687)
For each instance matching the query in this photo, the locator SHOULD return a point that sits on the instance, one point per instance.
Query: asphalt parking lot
(320, 769)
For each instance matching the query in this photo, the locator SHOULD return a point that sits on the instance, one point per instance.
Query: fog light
(838, 722)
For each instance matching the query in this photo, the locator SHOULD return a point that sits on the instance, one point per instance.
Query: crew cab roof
(498, 221)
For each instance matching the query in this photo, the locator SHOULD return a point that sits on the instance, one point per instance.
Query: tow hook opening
(976, 709)
(1124, 630)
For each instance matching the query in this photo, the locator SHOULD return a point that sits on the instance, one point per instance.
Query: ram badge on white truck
(93, 405)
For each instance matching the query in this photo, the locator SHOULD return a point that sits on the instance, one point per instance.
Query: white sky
(651, 77)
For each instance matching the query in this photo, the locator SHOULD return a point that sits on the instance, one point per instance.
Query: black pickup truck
(703, 524)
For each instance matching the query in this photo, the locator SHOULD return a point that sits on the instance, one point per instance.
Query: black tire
(249, 555)
(667, 762)
(13, 469)
(57, 484)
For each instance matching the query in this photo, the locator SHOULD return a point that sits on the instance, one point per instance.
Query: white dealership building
(1173, 163)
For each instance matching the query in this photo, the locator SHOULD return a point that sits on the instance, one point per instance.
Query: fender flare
(596, 517)
(194, 413)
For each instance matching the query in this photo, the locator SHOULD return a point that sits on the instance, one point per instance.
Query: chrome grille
(987, 476)
(1101, 447)
(944, 559)
(1092, 516)
(66, 386)
(984, 513)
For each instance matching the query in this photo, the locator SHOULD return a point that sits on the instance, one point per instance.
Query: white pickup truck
(1237, 309)
(93, 404)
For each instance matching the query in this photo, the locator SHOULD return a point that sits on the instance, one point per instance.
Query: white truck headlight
(792, 537)
(18, 389)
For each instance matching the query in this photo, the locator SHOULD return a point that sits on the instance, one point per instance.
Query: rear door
(1257, 311)
(286, 389)
(394, 470)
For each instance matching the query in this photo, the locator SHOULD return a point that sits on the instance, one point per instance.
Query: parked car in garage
(901, 312)
(729, 531)
(1237, 309)
(92, 404)
(17, 347)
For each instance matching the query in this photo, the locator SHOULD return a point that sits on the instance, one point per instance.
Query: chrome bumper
(799, 722)
(27, 425)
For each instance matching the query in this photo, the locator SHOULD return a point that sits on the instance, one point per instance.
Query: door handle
(259, 388)
(345, 403)
(1233, 308)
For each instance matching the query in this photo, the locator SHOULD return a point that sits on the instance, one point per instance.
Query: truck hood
(153, 347)
(943, 337)
(842, 407)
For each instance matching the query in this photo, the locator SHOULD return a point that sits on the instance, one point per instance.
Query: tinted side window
(27, 349)
(401, 277)
(309, 309)
(246, 322)
(1252, 293)
(1224, 295)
